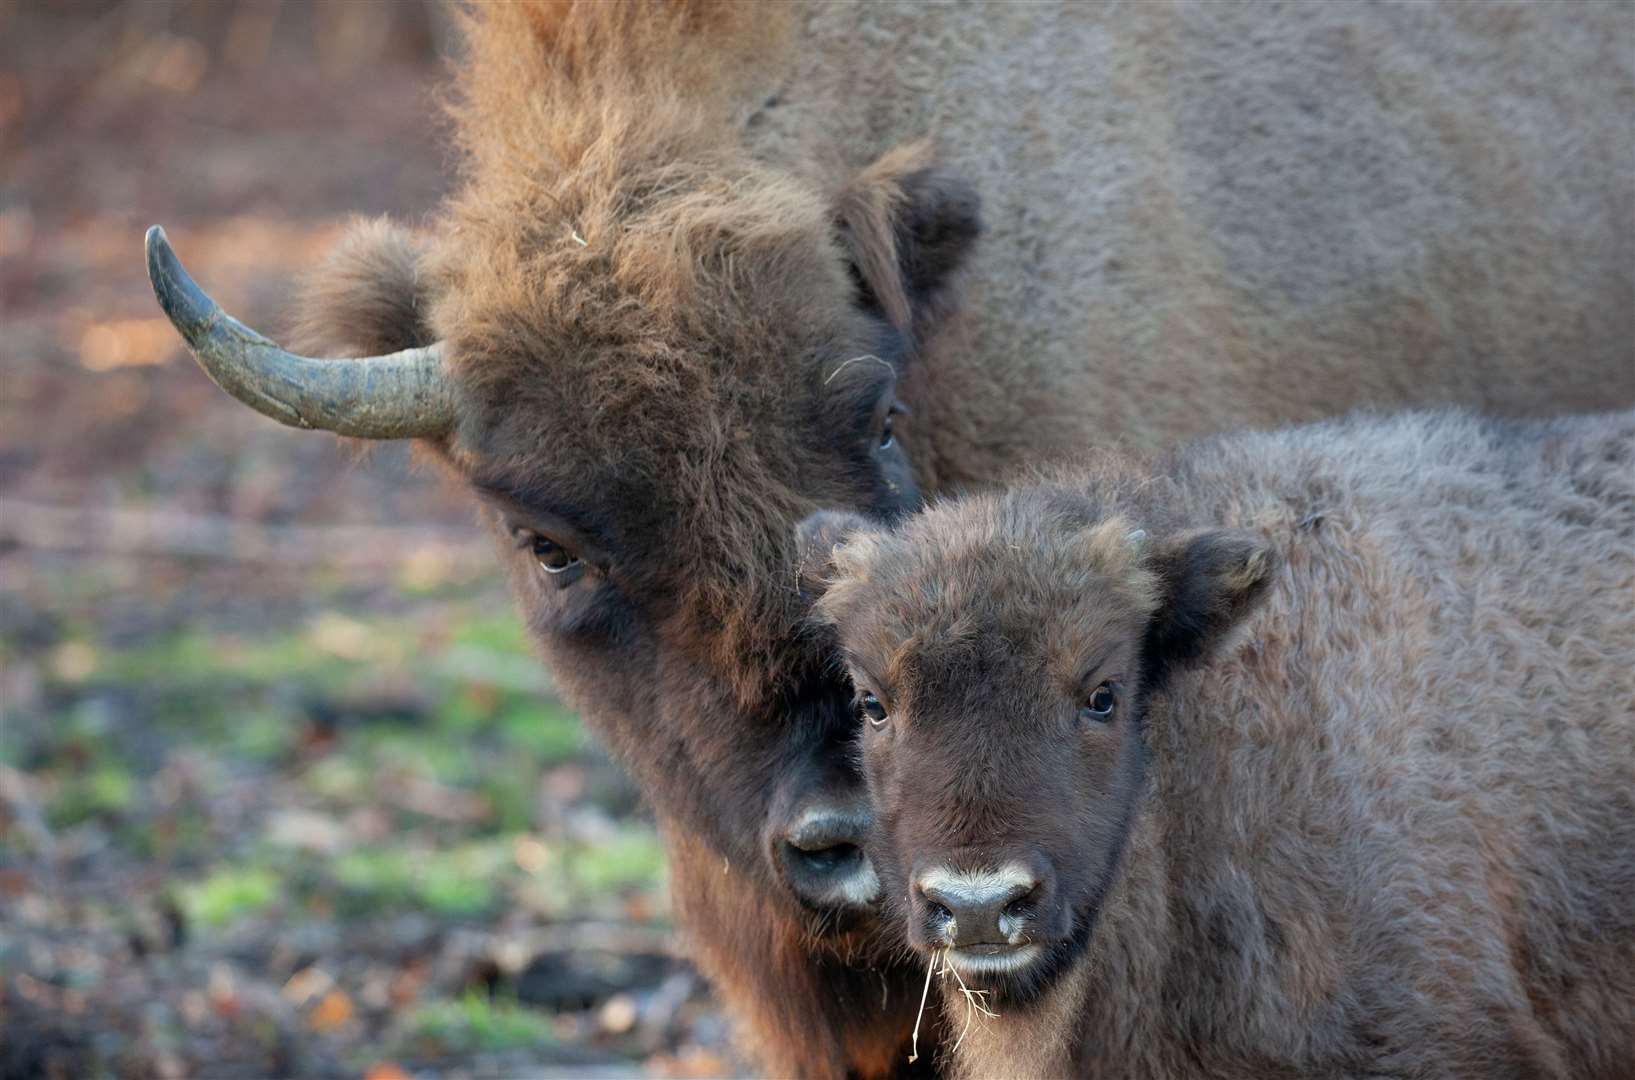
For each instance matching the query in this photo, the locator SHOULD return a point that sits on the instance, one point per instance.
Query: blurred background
(282, 791)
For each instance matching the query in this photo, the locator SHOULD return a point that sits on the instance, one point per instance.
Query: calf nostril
(1022, 906)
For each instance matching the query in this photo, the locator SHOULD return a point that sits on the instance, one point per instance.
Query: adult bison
(700, 279)
(1291, 754)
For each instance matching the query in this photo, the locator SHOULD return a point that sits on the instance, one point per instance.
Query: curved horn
(397, 396)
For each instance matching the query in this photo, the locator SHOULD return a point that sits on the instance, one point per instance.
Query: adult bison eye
(553, 558)
(1099, 706)
(869, 706)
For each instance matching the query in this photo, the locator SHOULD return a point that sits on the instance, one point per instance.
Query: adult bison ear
(368, 297)
(1207, 583)
(817, 539)
(908, 227)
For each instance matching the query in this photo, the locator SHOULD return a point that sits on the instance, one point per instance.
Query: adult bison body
(701, 278)
(1298, 754)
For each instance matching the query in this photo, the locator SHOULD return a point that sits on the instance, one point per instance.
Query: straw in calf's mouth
(973, 1003)
(914, 1047)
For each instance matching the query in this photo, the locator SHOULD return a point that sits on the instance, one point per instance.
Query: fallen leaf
(222, 993)
(406, 987)
(306, 830)
(386, 1070)
(307, 984)
(341, 636)
(531, 856)
(618, 1014)
(689, 1061)
(333, 1011)
(74, 661)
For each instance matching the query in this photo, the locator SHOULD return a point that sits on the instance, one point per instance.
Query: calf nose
(976, 909)
(823, 859)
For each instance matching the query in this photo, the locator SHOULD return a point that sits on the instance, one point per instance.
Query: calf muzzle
(987, 910)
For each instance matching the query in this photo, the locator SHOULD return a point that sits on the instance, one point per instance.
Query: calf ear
(816, 540)
(1207, 583)
(908, 226)
(368, 297)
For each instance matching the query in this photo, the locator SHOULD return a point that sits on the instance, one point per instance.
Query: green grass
(338, 778)
(415, 750)
(106, 788)
(632, 859)
(474, 1024)
(229, 894)
(94, 779)
(547, 731)
(456, 881)
(502, 634)
(194, 658)
(510, 788)
(262, 734)
(243, 703)
(329, 652)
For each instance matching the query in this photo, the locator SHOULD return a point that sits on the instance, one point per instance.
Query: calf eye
(870, 707)
(553, 557)
(888, 437)
(1100, 704)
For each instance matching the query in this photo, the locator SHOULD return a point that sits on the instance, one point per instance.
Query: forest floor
(282, 790)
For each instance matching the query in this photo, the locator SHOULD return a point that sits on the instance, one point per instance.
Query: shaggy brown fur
(698, 248)
(1366, 802)
(1205, 215)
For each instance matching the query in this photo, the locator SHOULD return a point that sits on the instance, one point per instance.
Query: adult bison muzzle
(695, 284)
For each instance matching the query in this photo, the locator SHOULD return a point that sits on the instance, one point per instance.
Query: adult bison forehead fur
(670, 350)
(678, 398)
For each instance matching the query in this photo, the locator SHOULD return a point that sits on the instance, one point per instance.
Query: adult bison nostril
(823, 860)
(829, 861)
(839, 875)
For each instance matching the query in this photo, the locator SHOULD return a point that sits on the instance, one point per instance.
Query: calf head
(648, 355)
(1003, 649)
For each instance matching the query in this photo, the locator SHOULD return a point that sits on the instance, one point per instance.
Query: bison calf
(1295, 754)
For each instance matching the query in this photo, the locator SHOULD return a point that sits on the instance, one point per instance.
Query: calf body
(1301, 753)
